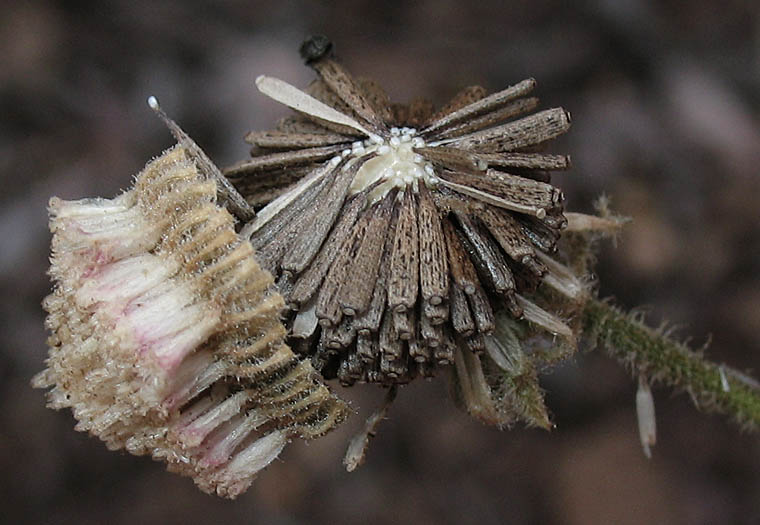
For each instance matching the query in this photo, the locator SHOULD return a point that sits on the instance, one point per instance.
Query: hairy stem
(652, 353)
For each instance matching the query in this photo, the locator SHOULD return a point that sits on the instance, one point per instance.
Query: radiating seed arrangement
(364, 240)
(397, 232)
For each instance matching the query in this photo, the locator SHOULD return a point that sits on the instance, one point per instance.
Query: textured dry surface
(666, 121)
(165, 333)
(395, 255)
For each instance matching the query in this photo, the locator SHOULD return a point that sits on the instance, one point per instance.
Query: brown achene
(396, 233)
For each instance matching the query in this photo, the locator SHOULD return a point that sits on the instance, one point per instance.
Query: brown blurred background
(666, 104)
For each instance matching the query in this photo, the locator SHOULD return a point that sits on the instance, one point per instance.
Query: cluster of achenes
(374, 242)
(397, 232)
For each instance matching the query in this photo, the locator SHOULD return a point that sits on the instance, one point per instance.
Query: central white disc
(396, 165)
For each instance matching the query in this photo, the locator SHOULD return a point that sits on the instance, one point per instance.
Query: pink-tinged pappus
(165, 332)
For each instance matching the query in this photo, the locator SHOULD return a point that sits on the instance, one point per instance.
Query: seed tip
(261, 79)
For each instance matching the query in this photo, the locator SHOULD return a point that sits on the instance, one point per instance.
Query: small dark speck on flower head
(315, 47)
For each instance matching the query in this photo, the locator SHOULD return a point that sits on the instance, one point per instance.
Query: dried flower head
(195, 316)
(397, 233)
(165, 332)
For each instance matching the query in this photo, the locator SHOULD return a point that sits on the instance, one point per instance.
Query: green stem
(659, 358)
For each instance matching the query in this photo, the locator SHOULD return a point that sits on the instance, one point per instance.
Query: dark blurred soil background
(666, 104)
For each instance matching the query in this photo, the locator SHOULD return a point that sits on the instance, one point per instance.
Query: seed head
(195, 316)
(398, 234)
